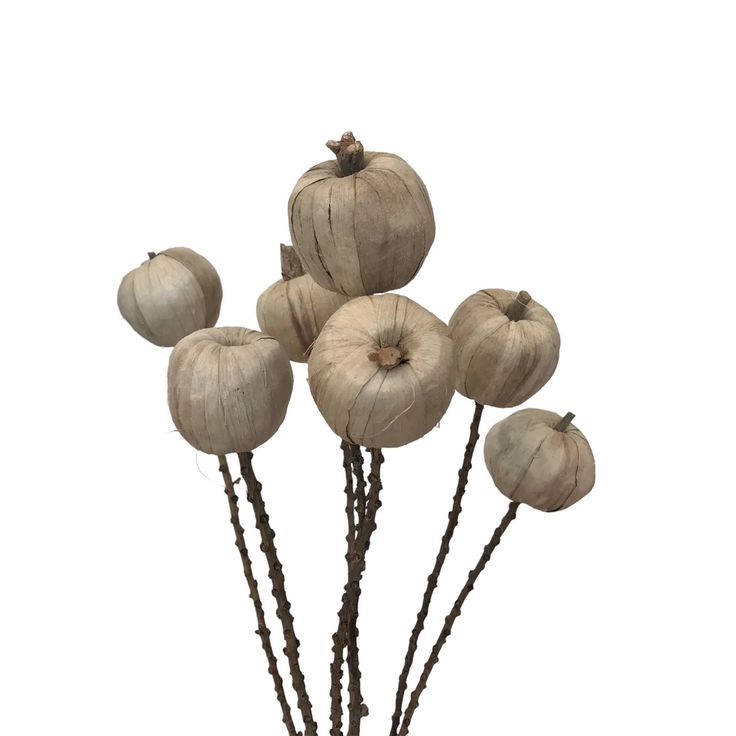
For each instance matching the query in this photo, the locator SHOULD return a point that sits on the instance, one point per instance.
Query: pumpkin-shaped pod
(539, 458)
(382, 372)
(169, 296)
(294, 310)
(362, 224)
(228, 388)
(507, 347)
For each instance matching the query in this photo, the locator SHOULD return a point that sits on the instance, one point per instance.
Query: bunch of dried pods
(382, 370)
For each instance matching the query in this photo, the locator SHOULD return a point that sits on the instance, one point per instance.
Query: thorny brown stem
(348, 614)
(363, 541)
(275, 573)
(433, 578)
(454, 613)
(263, 631)
(337, 662)
(357, 460)
(354, 690)
(347, 464)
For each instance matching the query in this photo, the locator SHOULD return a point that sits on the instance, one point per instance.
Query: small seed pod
(295, 309)
(382, 372)
(362, 224)
(170, 295)
(538, 458)
(507, 347)
(228, 388)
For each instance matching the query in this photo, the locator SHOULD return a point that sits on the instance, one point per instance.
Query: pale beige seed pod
(169, 296)
(228, 388)
(539, 458)
(294, 310)
(507, 347)
(382, 372)
(362, 224)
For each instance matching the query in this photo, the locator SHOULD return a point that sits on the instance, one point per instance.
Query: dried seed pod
(507, 347)
(362, 224)
(228, 388)
(294, 310)
(382, 372)
(170, 295)
(537, 457)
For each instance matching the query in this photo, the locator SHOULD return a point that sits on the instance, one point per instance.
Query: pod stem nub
(291, 265)
(349, 152)
(516, 311)
(564, 423)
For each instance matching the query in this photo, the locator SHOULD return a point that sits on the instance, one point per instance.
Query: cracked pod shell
(382, 372)
(295, 309)
(364, 233)
(534, 463)
(229, 388)
(501, 361)
(170, 295)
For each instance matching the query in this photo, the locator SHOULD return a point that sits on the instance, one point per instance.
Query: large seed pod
(507, 347)
(170, 295)
(294, 310)
(537, 457)
(382, 372)
(228, 388)
(362, 224)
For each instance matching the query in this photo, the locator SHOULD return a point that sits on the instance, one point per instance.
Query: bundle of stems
(276, 575)
(361, 510)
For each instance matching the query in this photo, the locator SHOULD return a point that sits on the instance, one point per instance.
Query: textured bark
(353, 657)
(350, 510)
(357, 707)
(453, 615)
(275, 573)
(348, 614)
(357, 460)
(263, 631)
(433, 578)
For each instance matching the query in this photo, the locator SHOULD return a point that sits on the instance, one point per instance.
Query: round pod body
(507, 347)
(169, 296)
(294, 310)
(382, 372)
(364, 231)
(534, 462)
(228, 388)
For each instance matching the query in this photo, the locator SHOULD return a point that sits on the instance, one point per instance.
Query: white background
(584, 151)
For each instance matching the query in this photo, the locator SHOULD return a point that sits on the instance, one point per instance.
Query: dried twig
(454, 613)
(433, 578)
(357, 460)
(350, 455)
(348, 614)
(263, 631)
(275, 573)
(337, 662)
